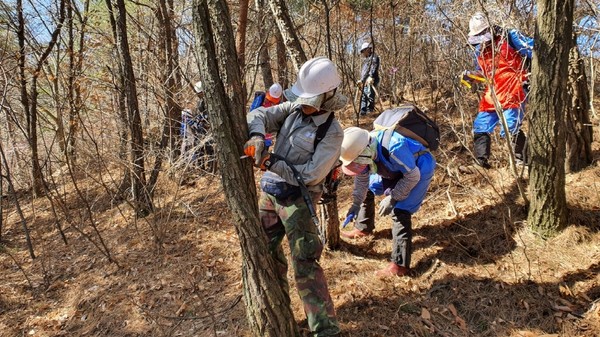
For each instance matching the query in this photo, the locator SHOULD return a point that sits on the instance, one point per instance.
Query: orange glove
(265, 162)
(254, 148)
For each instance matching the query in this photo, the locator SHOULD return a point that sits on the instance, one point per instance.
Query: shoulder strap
(408, 133)
(385, 143)
(322, 129)
(387, 136)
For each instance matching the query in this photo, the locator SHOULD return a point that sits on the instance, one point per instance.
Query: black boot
(482, 144)
(520, 145)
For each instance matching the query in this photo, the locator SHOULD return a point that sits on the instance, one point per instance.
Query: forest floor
(477, 268)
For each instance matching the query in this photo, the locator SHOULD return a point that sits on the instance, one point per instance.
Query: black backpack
(408, 120)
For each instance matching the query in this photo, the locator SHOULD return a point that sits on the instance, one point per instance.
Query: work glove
(386, 206)
(254, 148)
(351, 215)
(265, 162)
(369, 80)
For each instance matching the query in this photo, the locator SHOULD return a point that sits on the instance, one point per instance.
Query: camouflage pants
(291, 218)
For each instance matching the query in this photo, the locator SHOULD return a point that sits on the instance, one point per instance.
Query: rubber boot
(482, 145)
(520, 146)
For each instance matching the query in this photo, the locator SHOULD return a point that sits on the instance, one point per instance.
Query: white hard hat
(275, 90)
(478, 23)
(316, 77)
(364, 46)
(354, 143)
(479, 29)
(198, 87)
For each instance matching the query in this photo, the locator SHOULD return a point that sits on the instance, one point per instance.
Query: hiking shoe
(355, 233)
(392, 269)
(483, 163)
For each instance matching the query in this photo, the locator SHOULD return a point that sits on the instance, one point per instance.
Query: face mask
(368, 156)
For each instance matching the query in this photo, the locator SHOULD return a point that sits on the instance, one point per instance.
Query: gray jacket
(370, 68)
(296, 135)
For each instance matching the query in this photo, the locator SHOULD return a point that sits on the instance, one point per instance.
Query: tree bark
(264, 59)
(171, 81)
(579, 127)
(267, 308)
(241, 33)
(122, 112)
(548, 209)
(288, 32)
(29, 100)
(75, 96)
(282, 63)
(142, 199)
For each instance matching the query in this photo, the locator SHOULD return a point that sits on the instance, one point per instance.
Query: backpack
(409, 121)
(259, 97)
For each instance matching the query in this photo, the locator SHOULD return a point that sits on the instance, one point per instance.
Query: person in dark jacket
(369, 78)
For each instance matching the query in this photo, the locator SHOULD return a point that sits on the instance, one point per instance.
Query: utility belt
(276, 186)
(280, 189)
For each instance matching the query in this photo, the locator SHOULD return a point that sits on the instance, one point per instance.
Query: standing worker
(502, 60)
(384, 162)
(299, 148)
(369, 78)
(196, 141)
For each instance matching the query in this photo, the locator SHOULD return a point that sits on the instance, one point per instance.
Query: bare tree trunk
(282, 69)
(76, 70)
(288, 32)
(241, 33)
(265, 66)
(579, 127)
(326, 11)
(264, 59)
(267, 308)
(171, 80)
(13, 194)
(122, 112)
(142, 199)
(548, 209)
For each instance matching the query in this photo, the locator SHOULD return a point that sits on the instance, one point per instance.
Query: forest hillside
(127, 207)
(478, 269)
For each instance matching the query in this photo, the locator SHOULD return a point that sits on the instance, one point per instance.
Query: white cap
(198, 87)
(354, 143)
(364, 46)
(275, 90)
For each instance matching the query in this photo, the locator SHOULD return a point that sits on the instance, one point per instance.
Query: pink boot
(353, 234)
(392, 269)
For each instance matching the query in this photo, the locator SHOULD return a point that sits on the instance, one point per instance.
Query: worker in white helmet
(306, 148)
(396, 166)
(502, 58)
(267, 98)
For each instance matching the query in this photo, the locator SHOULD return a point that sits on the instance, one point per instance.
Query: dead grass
(477, 268)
